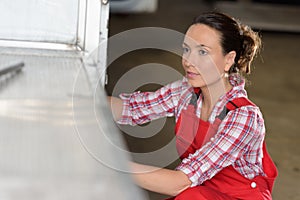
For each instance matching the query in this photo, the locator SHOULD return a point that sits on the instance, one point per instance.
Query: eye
(203, 52)
(185, 50)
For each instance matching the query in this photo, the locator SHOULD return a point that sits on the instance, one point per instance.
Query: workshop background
(274, 82)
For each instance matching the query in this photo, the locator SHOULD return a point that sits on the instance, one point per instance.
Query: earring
(225, 74)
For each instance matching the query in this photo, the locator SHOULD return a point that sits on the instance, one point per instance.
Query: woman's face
(203, 60)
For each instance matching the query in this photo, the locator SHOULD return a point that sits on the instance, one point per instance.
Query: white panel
(39, 20)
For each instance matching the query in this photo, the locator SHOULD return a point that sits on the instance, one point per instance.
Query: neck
(212, 93)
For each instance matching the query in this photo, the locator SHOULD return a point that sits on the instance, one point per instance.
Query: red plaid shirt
(238, 141)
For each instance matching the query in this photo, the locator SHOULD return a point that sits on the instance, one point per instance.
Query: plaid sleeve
(142, 107)
(236, 133)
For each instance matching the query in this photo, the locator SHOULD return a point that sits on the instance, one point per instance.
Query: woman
(219, 132)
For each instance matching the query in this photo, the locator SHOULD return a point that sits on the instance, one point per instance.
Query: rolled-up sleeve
(142, 107)
(235, 135)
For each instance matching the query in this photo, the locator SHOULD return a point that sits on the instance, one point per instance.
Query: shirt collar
(238, 87)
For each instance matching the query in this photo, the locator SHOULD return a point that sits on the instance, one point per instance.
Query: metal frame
(92, 33)
(92, 24)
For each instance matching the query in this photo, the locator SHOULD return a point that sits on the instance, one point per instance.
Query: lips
(191, 74)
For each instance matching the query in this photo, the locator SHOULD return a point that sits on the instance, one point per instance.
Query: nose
(187, 61)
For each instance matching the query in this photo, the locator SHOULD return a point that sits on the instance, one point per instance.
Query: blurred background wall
(274, 82)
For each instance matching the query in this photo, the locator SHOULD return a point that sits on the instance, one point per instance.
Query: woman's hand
(160, 180)
(116, 106)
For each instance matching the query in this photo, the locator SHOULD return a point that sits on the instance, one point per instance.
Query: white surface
(43, 20)
(54, 24)
(76, 25)
(58, 140)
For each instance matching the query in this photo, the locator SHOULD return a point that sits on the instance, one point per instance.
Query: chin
(194, 83)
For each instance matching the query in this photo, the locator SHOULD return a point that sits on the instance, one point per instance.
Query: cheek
(220, 62)
(213, 66)
(207, 66)
(182, 61)
(210, 69)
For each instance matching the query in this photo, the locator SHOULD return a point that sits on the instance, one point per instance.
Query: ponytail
(250, 46)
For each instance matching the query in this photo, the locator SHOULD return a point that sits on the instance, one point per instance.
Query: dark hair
(234, 37)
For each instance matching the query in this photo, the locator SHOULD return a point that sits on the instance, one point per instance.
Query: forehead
(200, 34)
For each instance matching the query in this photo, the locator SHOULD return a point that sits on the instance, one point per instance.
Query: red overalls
(228, 183)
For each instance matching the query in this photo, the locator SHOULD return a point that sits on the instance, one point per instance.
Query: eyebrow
(200, 45)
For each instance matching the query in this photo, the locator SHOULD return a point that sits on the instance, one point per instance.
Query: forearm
(116, 106)
(164, 181)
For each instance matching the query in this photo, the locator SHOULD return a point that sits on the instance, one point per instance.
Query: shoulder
(248, 118)
(242, 105)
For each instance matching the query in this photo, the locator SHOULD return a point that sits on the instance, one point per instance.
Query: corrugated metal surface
(57, 138)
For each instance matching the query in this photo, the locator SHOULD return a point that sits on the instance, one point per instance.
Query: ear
(229, 60)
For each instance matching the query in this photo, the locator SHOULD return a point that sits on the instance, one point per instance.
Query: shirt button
(253, 185)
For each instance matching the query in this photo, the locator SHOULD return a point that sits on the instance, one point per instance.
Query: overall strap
(233, 104)
(239, 102)
(195, 96)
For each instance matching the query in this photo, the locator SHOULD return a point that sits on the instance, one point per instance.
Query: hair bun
(251, 44)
